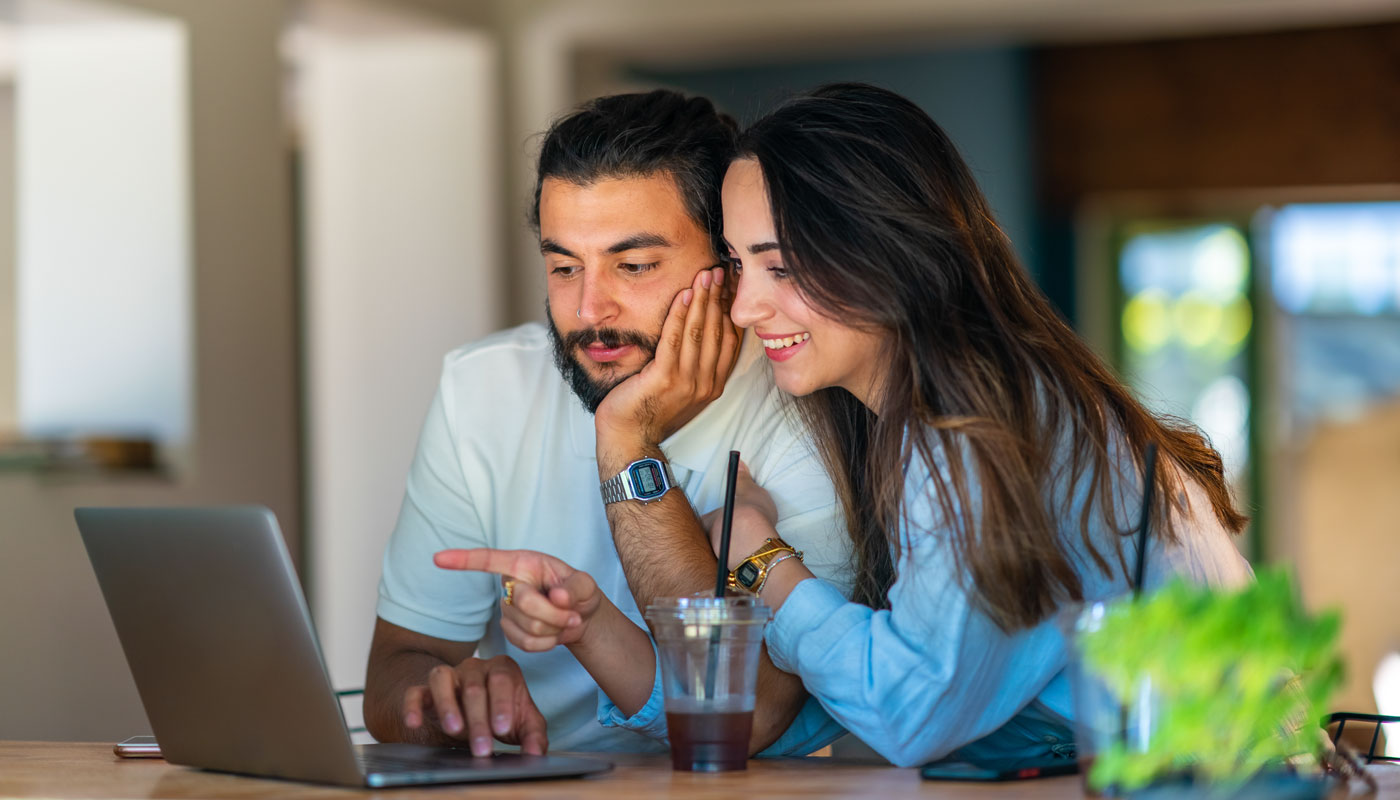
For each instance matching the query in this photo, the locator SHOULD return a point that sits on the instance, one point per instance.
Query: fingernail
(501, 723)
(452, 723)
(719, 276)
(574, 620)
(412, 720)
(686, 295)
(481, 747)
(706, 278)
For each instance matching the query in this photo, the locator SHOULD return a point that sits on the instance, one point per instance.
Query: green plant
(1239, 679)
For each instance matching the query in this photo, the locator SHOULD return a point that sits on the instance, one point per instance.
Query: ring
(508, 591)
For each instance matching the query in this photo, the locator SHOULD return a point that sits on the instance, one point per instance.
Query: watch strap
(619, 487)
(757, 566)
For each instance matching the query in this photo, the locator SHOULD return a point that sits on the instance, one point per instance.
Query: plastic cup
(709, 648)
(1101, 720)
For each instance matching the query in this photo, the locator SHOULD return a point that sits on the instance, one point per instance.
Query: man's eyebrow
(763, 247)
(639, 240)
(551, 246)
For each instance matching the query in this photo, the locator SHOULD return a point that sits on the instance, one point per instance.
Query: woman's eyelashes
(737, 266)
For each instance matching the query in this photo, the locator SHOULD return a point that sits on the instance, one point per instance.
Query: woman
(986, 459)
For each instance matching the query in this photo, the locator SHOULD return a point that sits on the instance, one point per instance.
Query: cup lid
(735, 609)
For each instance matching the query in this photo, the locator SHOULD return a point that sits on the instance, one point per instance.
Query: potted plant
(1216, 692)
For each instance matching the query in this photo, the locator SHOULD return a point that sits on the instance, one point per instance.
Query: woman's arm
(550, 603)
(915, 681)
(619, 656)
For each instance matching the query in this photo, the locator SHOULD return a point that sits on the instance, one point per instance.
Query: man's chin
(591, 382)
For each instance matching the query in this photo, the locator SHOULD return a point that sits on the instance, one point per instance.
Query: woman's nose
(748, 308)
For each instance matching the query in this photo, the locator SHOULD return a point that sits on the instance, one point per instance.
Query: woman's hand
(755, 519)
(695, 354)
(549, 603)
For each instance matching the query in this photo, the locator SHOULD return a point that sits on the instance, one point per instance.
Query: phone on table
(1010, 770)
(138, 747)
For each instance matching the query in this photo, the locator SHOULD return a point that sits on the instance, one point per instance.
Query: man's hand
(551, 602)
(475, 701)
(695, 354)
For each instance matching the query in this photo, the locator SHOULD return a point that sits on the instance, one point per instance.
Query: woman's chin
(794, 385)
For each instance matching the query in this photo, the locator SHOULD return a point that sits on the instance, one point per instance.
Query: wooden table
(79, 770)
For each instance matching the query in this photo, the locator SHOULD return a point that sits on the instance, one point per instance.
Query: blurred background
(237, 237)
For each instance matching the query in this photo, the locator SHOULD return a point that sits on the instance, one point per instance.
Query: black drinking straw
(1149, 468)
(722, 571)
(731, 477)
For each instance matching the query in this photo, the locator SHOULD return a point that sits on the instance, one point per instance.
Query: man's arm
(432, 691)
(662, 546)
(666, 553)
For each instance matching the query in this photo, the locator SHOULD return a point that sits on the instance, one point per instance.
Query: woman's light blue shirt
(933, 675)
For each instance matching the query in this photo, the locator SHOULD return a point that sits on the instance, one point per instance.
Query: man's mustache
(609, 338)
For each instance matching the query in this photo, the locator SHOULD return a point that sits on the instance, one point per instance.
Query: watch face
(648, 480)
(746, 574)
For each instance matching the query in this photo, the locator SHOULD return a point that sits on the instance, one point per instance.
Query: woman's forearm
(782, 579)
(619, 656)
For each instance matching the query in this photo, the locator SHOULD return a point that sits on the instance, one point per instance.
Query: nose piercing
(579, 313)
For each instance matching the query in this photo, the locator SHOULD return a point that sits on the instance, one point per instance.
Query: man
(528, 423)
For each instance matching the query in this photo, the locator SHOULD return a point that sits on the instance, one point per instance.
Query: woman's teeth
(778, 344)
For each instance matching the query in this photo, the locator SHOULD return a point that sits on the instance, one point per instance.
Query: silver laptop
(219, 640)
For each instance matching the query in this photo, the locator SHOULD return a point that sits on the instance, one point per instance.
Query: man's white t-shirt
(507, 460)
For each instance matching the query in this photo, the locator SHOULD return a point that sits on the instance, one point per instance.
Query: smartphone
(998, 771)
(138, 747)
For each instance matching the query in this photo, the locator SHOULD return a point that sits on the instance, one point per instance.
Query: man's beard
(590, 391)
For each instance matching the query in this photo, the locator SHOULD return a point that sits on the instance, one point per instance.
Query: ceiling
(685, 32)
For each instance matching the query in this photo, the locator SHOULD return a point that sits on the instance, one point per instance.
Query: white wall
(103, 216)
(9, 392)
(62, 673)
(403, 262)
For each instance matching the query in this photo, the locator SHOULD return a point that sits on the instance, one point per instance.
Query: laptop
(219, 640)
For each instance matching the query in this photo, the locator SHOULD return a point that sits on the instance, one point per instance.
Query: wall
(402, 263)
(978, 95)
(1301, 108)
(9, 391)
(61, 668)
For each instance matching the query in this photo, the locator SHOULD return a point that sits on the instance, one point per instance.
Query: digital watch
(644, 480)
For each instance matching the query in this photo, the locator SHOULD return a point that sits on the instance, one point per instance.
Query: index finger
(483, 559)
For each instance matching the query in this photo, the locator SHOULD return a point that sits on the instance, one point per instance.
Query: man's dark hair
(639, 135)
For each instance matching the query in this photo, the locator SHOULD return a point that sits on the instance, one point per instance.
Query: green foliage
(1239, 680)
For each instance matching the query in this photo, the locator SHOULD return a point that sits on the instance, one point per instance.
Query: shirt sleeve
(437, 513)
(926, 676)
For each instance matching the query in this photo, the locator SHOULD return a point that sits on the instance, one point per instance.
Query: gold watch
(753, 571)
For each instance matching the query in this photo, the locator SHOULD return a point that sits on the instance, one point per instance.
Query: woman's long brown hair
(883, 227)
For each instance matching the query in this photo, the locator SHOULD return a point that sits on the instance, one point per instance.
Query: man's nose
(597, 303)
